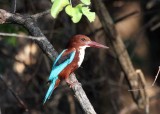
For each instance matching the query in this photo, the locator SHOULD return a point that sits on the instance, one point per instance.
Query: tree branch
(29, 22)
(21, 36)
(122, 55)
(13, 5)
(41, 14)
(156, 76)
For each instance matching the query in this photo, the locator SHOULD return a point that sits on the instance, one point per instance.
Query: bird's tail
(57, 83)
(54, 83)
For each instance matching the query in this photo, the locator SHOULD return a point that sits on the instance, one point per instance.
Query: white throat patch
(81, 55)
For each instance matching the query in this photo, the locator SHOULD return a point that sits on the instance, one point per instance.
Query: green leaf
(74, 12)
(58, 6)
(90, 15)
(52, 1)
(86, 2)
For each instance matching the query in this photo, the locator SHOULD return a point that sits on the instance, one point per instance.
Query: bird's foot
(72, 84)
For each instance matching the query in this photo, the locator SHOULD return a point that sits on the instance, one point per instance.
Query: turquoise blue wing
(59, 56)
(60, 64)
(56, 69)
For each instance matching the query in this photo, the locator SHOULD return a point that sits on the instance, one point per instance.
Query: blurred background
(25, 69)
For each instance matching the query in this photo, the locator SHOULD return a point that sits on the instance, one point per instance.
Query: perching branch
(122, 55)
(29, 22)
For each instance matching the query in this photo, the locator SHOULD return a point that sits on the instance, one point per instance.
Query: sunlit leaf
(86, 2)
(58, 6)
(74, 12)
(90, 15)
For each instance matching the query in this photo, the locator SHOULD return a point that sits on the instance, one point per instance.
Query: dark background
(25, 68)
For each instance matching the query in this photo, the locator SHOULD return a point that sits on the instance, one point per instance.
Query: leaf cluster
(74, 12)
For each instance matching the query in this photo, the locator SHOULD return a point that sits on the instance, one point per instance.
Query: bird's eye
(82, 39)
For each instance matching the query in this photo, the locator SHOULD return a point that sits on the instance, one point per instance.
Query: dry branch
(41, 14)
(156, 76)
(122, 54)
(20, 36)
(29, 22)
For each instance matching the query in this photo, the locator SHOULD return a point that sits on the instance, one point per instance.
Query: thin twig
(156, 26)
(144, 87)
(127, 16)
(156, 76)
(147, 87)
(14, 6)
(116, 21)
(15, 95)
(39, 15)
(21, 36)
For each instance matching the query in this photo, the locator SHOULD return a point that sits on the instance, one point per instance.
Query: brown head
(78, 41)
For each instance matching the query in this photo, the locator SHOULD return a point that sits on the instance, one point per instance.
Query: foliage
(74, 12)
(58, 6)
(12, 41)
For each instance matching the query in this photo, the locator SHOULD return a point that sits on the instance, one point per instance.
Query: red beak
(95, 44)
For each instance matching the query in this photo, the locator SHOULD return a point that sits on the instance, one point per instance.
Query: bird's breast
(81, 55)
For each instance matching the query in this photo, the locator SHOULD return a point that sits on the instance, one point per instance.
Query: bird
(69, 60)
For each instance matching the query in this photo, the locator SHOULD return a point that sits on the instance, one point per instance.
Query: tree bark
(140, 97)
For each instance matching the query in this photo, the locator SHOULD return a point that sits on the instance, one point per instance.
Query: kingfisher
(68, 61)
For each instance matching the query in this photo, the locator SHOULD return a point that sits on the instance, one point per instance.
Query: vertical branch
(120, 50)
(13, 6)
(143, 91)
